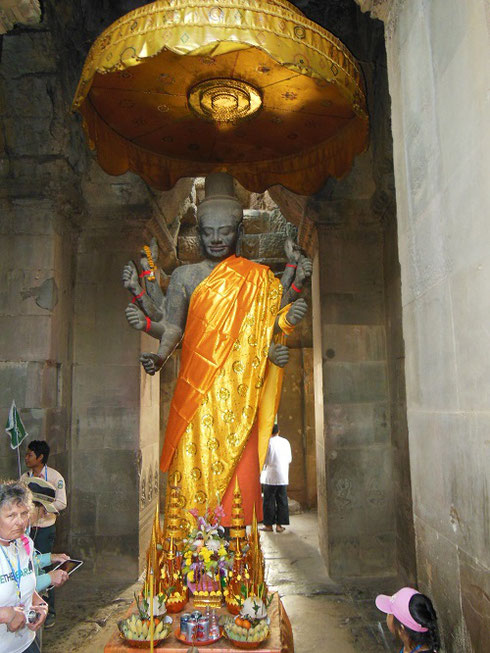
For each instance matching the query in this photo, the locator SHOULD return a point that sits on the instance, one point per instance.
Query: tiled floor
(325, 616)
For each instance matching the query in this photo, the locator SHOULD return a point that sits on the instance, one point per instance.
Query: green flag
(15, 428)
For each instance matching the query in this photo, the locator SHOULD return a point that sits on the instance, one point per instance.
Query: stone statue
(230, 314)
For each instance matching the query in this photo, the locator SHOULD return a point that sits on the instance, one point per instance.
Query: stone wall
(38, 194)
(438, 56)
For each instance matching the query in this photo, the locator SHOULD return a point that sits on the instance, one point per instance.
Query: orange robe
(214, 427)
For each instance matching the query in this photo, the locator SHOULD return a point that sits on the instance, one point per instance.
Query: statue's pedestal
(280, 639)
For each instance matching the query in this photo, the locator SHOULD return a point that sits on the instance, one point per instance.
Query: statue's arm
(131, 282)
(301, 275)
(177, 305)
(139, 321)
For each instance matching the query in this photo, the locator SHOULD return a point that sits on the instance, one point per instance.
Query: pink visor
(397, 605)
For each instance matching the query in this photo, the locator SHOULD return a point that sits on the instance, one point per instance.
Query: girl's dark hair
(423, 612)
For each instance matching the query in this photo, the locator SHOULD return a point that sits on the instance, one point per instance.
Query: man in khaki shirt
(43, 524)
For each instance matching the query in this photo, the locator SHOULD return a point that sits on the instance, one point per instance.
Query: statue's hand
(303, 271)
(152, 363)
(292, 251)
(297, 311)
(130, 278)
(135, 317)
(279, 354)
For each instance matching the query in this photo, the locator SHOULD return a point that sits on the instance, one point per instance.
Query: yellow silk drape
(222, 379)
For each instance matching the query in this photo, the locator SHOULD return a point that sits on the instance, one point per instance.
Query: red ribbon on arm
(148, 324)
(137, 296)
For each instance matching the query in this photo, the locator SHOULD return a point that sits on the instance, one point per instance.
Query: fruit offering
(246, 630)
(136, 629)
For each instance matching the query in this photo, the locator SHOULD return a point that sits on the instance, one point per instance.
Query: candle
(152, 623)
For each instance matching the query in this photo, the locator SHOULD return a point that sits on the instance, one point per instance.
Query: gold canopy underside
(134, 95)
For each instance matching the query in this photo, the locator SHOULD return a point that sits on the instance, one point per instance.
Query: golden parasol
(251, 87)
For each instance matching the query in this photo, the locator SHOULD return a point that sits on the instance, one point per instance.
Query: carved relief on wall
(143, 491)
(156, 480)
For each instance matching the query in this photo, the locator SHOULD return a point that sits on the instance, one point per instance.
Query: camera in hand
(32, 616)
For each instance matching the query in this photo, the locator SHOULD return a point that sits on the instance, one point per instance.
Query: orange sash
(216, 313)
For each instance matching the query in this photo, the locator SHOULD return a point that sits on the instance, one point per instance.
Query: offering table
(280, 639)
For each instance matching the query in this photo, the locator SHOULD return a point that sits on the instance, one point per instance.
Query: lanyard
(45, 473)
(17, 576)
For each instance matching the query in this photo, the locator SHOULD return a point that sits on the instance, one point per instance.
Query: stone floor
(325, 616)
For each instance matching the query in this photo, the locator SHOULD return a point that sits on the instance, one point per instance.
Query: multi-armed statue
(230, 314)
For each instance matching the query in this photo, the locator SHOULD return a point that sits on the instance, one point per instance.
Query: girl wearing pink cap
(411, 617)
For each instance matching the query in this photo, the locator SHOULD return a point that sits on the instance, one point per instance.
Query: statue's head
(219, 217)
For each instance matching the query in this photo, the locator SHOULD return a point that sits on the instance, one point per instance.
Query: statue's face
(218, 229)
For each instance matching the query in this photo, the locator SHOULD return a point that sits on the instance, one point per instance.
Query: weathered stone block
(251, 247)
(28, 53)
(29, 338)
(431, 370)
(27, 216)
(271, 245)
(353, 261)
(357, 424)
(353, 308)
(107, 385)
(255, 221)
(475, 597)
(83, 512)
(30, 97)
(101, 427)
(39, 137)
(439, 578)
(28, 252)
(354, 343)
(355, 382)
(448, 22)
(470, 303)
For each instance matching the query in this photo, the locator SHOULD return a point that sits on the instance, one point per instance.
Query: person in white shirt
(43, 524)
(22, 611)
(275, 479)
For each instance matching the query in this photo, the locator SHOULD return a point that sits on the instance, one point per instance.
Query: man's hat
(43, 493)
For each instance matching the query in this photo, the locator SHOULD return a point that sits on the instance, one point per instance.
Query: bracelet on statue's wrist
(291, 265)
(148, 324)
(295, 288)
(137, 297)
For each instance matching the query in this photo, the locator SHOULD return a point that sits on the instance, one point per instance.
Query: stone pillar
(439, 79)
(115, 416)
(357, 497)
